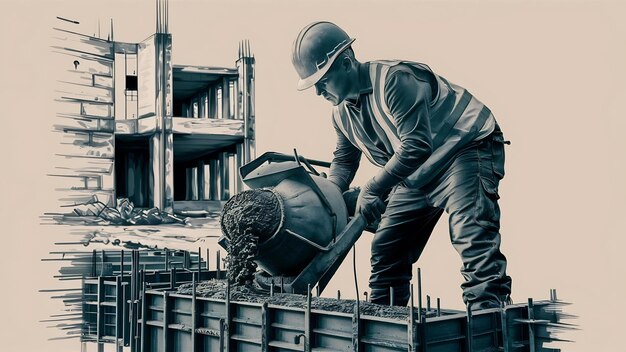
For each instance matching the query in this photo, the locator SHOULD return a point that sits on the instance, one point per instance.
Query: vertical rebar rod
(505, 328)
(122, 263)
(102, 261)
(412, 329)
(194, 318)
(228, 318)
(391, 296)
(438, 307)
(199, 264)
(419, 294)
(469, 329)
(307, 320)
(218, 274)
(531, 325)
(93, 263)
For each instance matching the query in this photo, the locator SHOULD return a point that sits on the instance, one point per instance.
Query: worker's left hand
(369, 203)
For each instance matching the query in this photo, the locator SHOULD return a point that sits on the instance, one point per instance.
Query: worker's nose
(318, 90)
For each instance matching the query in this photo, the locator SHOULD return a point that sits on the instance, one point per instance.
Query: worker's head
(323, 58)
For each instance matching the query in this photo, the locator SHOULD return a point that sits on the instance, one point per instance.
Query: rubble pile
(125, 213)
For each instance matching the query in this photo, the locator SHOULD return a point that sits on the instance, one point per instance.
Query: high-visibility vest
(456, 119)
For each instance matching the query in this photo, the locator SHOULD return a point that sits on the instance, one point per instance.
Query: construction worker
(438, 148)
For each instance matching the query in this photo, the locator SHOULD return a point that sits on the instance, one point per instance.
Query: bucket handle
(308, 241)
(245, 170)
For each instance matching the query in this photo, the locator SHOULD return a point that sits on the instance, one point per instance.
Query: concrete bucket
(297, 216)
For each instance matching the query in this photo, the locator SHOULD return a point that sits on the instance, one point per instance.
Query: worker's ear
(346, 63)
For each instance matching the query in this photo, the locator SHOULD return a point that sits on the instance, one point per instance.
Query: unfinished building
(135, 125)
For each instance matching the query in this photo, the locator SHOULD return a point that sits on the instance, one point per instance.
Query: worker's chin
(333, 100)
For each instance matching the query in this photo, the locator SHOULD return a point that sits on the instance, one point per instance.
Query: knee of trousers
(389, 267)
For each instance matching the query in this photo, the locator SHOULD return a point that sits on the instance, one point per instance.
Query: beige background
(552, 72)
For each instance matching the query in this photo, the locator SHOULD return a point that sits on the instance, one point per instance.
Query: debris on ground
(216, 289)
(125, 213)
(247, 218)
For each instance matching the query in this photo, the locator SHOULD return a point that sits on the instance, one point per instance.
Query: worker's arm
(408, 99)
(346, 159)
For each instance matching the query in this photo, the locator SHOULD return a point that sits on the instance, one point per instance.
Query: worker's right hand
(370, 205)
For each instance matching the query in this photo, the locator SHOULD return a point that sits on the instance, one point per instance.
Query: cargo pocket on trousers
(488, 211)
(497, 159)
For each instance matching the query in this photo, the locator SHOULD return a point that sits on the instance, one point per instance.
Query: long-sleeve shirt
(405, 118)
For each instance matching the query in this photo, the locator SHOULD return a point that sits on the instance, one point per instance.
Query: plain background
(552, 72)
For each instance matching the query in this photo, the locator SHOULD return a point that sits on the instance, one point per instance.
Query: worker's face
(334, 86)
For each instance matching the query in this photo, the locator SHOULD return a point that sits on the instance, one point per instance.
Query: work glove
(370, 202)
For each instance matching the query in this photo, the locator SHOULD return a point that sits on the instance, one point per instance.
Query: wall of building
(84, 163)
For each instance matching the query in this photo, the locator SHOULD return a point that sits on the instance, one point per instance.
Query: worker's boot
(382, 296)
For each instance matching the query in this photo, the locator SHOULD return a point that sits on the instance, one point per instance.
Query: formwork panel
(154, 307)
(244, 346)
(109, 321)
(383, 335)
(331, 332)
(285, 326)
(248, 313)
(209, 343)
(154, 339)
(246, 332)
(516, 331)
(447, 346)
(325, 342)
(369, 347)
(285, 347)
(179, 341)
(485, 331)
(181, 310)
(210, 313)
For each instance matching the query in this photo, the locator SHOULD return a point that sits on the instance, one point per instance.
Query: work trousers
(468, 191)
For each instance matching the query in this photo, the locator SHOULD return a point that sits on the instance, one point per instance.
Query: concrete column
(192, 184)
(239, 162)
(201, 180)
(224, 177)
(212, 110)
(214, 180)
(201, 109)
(162, 144)
(225, 98)
(156, 173)
(245, 68)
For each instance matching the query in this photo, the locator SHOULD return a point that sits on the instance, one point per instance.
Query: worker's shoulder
(389, 69)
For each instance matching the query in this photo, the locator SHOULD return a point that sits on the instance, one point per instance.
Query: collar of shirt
(365, 83)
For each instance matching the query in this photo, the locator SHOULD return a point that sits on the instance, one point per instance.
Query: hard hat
(315, 49)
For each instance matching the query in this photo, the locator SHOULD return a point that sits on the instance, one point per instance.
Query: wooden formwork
(140, 309)
(111, 305)
(175, 322)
